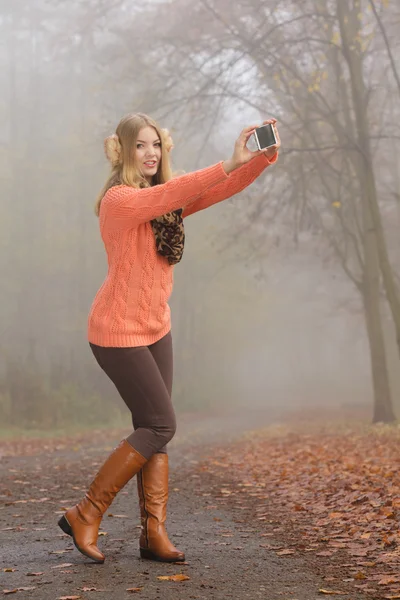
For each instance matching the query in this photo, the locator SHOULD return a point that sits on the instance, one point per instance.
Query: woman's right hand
(241, 154)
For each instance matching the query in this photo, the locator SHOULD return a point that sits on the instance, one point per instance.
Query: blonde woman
(141, 210)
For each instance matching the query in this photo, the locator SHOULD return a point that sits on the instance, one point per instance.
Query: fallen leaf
(179, 577)
(285, 552)
(64, 565)
(9, 570)
(134, 590)
(20, 589)
(388, 579)
(332, 592)
(69, 597)
(35, 574)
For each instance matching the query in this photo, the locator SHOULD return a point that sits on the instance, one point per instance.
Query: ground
(241, 540)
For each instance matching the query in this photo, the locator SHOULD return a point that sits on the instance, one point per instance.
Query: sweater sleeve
(128, 207)
(237, 181)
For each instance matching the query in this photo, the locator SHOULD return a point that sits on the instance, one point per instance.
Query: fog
(287, 297)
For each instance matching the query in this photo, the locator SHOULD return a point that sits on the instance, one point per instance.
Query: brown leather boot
(83, 520)
(153, 496)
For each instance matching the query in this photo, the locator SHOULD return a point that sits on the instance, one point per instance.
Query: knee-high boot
(152, 483)
(83, 520)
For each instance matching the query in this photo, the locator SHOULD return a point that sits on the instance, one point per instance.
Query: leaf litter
(338, 486)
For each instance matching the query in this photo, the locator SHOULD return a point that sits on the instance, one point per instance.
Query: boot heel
(145, 553)
(65, 526)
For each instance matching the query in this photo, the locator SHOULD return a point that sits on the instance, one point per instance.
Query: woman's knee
(167, 431)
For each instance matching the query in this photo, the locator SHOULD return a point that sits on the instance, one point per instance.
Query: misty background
(288, 295)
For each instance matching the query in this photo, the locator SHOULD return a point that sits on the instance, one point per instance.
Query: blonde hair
(120, 151)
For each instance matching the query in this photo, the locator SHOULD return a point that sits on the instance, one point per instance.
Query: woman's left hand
(270, 152)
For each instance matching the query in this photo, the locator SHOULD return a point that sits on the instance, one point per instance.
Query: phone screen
(266, 136)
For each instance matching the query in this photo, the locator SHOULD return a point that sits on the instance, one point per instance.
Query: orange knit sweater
(131, 307)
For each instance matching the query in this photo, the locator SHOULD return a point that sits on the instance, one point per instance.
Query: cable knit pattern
(238, 180)
(164, 295)
(146, 285)
(131, 307)
(121, 280)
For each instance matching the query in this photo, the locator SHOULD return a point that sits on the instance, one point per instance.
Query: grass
(72, 430)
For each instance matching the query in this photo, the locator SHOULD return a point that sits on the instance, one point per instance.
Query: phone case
(266, 147)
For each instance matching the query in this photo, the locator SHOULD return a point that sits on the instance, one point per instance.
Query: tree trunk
(375, 250)
(349, 28)
(383, 409)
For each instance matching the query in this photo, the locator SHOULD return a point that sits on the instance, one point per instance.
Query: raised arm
(236, 182)
(128, 207)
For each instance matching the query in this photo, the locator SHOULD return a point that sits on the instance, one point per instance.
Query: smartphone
(265, 137)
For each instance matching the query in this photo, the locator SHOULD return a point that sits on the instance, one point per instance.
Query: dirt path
(223, 552)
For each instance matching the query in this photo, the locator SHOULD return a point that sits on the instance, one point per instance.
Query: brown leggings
(143, 377)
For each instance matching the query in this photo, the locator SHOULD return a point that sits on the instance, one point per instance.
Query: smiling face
(148, 152)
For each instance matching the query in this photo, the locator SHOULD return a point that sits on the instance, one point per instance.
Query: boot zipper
(144, 508)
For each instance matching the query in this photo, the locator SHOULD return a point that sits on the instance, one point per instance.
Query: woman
(141, 210)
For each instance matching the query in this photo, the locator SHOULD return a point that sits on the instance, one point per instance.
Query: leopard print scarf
(169, 233)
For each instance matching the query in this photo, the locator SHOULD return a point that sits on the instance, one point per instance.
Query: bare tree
(318, 61)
